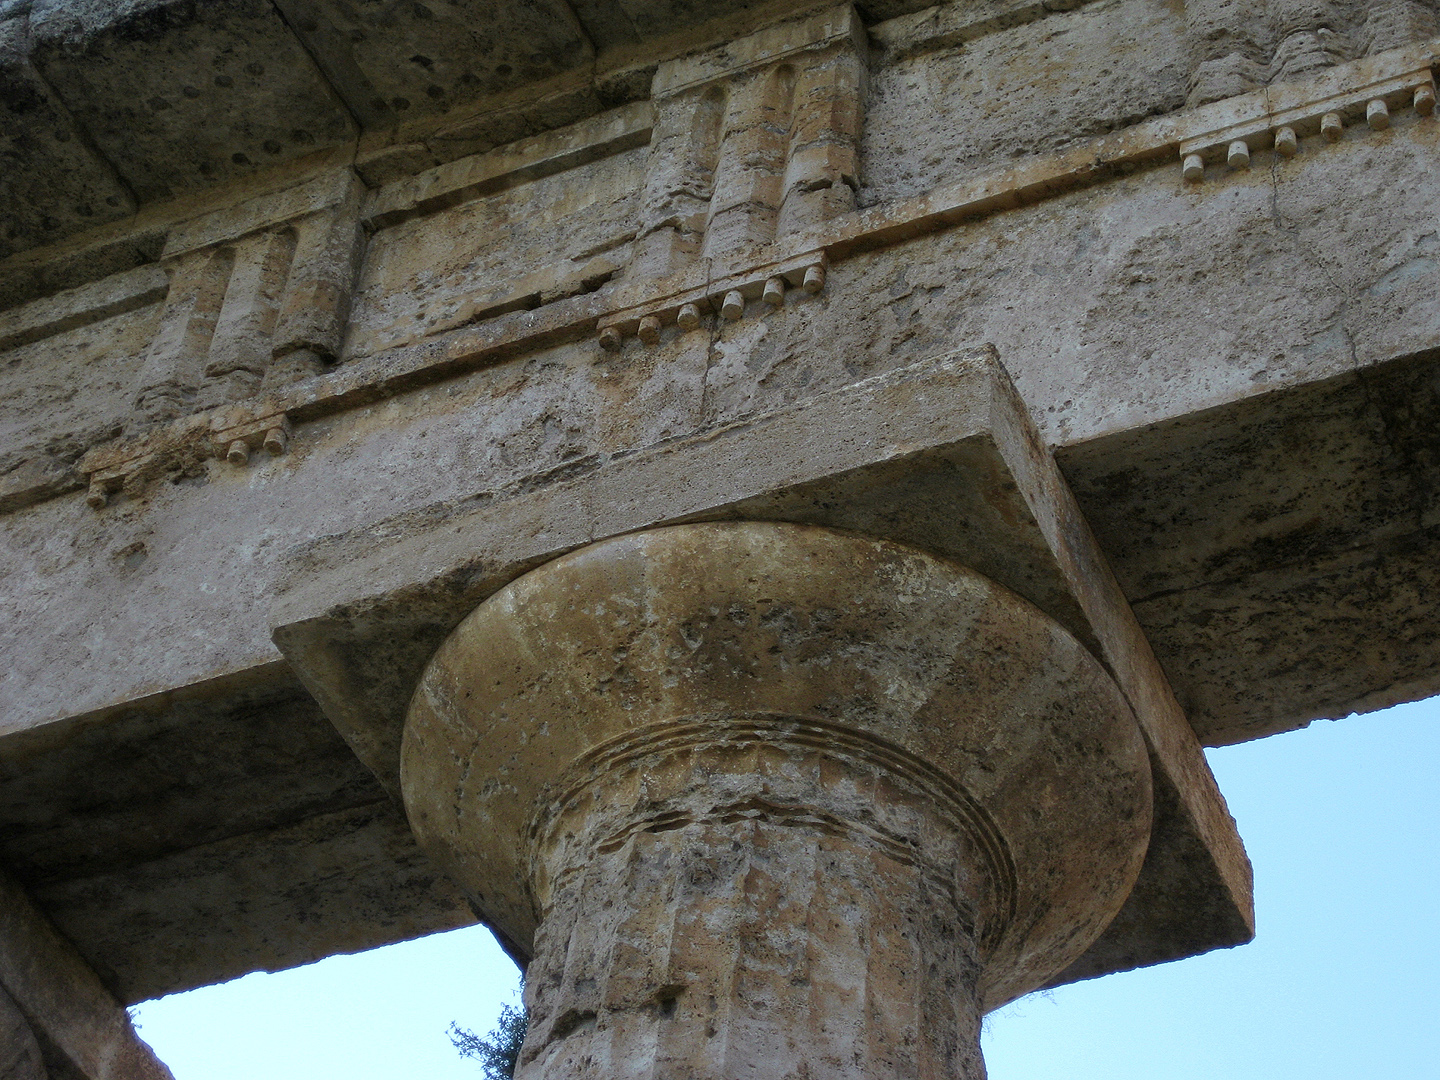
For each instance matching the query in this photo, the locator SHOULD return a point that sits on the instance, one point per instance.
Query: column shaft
(759, 895)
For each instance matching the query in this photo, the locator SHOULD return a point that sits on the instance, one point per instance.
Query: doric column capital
(719, 731)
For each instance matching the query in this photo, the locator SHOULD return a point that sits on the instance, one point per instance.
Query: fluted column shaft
(760, 895)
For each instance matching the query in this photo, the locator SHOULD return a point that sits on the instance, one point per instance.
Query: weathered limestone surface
(1033, 88)
(969, 480)
(189, 119)
(320, 327)
(66, 388)
(153, 97)
(496, 253)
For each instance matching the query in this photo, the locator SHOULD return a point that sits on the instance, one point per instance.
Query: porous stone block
(617, 130)
(933, 115)
(53, 183)
(178, 95)
(1160, 330)
(337, 882)
(494, 253)
(391, 63)
(69, 360)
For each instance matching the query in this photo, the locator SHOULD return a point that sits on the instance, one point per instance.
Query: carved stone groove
(842, 922)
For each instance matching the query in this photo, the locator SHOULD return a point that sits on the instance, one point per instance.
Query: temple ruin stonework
(762, 504)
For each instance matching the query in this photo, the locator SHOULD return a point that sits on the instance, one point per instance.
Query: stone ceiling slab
(659, 16)
(396, 60)
(605, 23)
(180, 94)
(51, 182)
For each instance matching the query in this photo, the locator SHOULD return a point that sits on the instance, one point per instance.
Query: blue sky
(1342, 822)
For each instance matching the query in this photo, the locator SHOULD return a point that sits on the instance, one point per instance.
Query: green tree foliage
(497, 1052)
